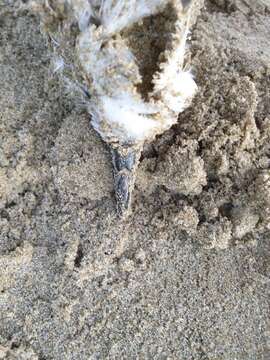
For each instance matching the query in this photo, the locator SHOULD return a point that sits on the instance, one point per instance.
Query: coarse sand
(186, 276)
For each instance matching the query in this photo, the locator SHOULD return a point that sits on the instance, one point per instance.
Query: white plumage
(109, 59)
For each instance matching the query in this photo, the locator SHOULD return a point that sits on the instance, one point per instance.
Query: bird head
(129, 57)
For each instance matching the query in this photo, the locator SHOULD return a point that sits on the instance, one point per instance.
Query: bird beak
(125, 162)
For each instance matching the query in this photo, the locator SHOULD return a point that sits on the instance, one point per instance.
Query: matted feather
(129, 56)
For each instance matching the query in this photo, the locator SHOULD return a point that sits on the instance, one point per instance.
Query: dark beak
(125, 162)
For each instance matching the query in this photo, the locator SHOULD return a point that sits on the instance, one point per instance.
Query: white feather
(131, 117)
(82, 10)
(117, 14)
(111, 71)
(179, 91)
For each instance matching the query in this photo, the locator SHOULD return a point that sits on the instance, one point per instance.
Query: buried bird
(127, 56)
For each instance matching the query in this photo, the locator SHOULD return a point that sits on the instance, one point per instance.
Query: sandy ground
(187, 275)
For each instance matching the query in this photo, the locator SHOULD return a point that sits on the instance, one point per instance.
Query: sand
(186, 276)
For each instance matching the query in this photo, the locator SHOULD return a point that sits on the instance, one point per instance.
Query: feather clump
(129, 56)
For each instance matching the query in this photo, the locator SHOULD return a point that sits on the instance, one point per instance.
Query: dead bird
(127, 56)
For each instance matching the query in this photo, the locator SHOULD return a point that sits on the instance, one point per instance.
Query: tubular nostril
(121, 161)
